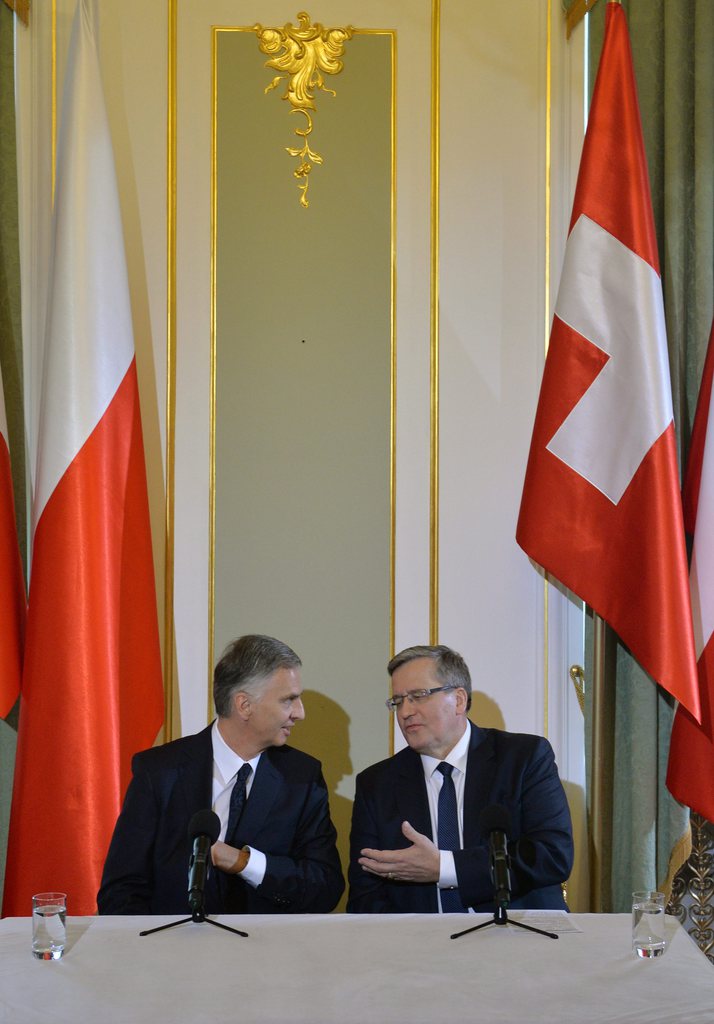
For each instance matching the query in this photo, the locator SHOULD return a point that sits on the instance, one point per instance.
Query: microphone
(204, 829)
(496, 823)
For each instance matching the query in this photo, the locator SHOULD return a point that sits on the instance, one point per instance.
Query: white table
(340, 969)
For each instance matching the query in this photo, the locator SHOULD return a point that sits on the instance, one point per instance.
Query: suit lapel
(479, 782)
(411, 795)
(196, 772)
(263, 793)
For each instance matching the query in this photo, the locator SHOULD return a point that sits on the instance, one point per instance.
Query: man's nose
(298, 711)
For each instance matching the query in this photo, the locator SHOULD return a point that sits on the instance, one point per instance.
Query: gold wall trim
(216, 30)
(434, 327)
(546, 308)
(303, 53)
(53, 125)
(393, 390)
(212, 411)
(393, 397)
(169, 637)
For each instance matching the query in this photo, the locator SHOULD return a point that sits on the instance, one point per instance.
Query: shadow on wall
(325, 734)
(485, 711)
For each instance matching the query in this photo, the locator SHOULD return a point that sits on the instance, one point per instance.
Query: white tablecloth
(341, 969)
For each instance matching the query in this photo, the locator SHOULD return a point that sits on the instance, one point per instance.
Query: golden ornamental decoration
(303, 53)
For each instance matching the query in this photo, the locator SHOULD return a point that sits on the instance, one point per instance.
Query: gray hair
(450, 667)
(245, 664)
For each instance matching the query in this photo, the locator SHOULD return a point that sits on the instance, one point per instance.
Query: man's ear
(242, 705)
(462, 699)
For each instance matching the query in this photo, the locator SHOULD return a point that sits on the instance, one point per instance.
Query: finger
(381, 856)
(376, 865)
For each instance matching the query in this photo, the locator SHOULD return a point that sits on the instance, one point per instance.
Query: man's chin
(413, 739)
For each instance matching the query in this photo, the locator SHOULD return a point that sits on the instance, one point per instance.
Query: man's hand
(227, 858)
(418, 863)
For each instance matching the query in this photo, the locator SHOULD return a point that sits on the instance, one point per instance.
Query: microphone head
(494, 818)
(205, 823)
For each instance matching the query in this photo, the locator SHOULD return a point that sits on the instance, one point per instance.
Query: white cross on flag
(601, 509)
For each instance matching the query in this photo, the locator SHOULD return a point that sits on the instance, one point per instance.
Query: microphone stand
(200, 917)
(500, 917)
(204, 829)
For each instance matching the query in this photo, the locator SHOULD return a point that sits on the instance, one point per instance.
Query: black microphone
(496, 823)
(204, 829)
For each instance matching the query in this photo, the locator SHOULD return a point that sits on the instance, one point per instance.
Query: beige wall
(509, 83)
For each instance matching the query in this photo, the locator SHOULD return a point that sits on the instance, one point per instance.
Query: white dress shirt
(226, 765)
(457, 757)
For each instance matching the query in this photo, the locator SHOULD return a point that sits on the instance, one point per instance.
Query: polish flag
(12, 582)
(92, 692)
(601, 508)
(690, 773)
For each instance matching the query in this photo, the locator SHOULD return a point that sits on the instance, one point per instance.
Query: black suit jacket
(514, 770)
(286, 816)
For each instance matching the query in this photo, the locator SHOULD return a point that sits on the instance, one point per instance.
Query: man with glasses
(420, 837)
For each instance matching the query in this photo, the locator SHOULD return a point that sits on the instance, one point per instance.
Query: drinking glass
(49, 915)
(648, 936)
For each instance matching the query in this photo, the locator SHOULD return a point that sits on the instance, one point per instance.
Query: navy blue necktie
(237, 803)
(448, 833)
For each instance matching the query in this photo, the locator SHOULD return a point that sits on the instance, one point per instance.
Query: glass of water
(648, 935)
(49, 916)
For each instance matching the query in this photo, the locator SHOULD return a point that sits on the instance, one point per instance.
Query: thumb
(410, 833)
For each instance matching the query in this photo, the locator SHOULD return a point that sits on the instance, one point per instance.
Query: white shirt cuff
(447, 870)
(254, 871)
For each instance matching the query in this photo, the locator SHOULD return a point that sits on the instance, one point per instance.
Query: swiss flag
(690, 773)
(601, 508)
(92, 692)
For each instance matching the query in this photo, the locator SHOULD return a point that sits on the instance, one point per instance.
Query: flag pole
(596, 762)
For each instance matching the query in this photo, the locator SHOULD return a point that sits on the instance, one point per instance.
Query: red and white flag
(601, 508)
(92, 691)
(12, 582)
(690, 773)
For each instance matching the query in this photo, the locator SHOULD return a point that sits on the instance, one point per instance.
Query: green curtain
(673, 55)
(10, 358)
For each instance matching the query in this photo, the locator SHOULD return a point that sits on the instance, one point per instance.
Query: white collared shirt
(226, 765)
(458, 758)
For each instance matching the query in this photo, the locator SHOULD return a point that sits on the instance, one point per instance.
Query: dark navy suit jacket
(514, 770)
(286, 816)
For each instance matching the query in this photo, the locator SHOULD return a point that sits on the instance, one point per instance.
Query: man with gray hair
(276, 849)
(422, 819)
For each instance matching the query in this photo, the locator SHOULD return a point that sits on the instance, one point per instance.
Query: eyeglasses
(413, 696)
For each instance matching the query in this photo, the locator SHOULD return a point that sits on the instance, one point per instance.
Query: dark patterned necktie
(237, 803)
(448, 833)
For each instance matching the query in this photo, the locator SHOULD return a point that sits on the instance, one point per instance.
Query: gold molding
(303, 52)
(546, 323)
(53, 129)
(434, 327)
(212, 370)
(169, 541)
(393, 390)
(393, 345)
